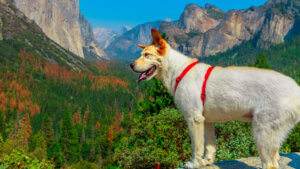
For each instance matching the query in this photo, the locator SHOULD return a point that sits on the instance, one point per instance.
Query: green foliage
(162, 138)
(234, 141)
(69, 140)
(157, 98)
(85, 164)
(292, 144)
(262, 61)
(164, 36)
(55, 154)
(19, 159)
(216, 14)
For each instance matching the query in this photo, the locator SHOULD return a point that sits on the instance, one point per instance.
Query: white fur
(270, 100)
(267, 99)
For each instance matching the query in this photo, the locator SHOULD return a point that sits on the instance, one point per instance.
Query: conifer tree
(47, 130)
(55, 154)
(262, 61)
(69, 140)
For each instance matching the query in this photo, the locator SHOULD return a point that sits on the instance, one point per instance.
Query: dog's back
(240, 92)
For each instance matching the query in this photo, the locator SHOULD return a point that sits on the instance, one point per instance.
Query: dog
(267, 99)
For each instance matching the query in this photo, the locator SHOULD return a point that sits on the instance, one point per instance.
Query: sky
(114, 14)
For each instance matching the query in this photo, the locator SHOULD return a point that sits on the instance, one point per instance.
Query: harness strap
(186, 70)
(203, 93)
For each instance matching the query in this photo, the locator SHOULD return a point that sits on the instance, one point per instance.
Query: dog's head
(149, 64)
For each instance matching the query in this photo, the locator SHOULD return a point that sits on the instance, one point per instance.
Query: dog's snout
(132, 65)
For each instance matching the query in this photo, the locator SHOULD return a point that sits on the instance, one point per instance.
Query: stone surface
(265, 23)
(89, 41)
(195, 18)
(202, 32)
(106, 36)
(287, 161)
(126, 47)
(1, 36)
(60, 20)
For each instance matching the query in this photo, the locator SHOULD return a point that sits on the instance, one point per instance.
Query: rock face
(90, 44)
(195, 18)
(61, 21)
(126, 47)
(287, 161)
(106, 36)
(202, 32)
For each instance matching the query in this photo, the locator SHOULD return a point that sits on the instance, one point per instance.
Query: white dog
(267, 99)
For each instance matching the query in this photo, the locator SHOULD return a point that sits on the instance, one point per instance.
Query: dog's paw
(209, 159)
(194, 164)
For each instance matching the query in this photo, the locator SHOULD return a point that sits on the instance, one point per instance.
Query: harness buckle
(178, 79)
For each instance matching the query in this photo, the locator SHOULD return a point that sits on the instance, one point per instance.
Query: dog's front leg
(210, 143)
(196, 130)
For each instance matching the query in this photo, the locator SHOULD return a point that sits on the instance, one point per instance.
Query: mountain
(202, 32)
(19, 33)
(63, 23)
(125, 46)
(106, 36)
(55, 107)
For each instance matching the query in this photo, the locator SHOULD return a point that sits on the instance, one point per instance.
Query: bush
(162, 138)
(18, 159)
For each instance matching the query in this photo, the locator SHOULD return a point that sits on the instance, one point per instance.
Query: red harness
(187, 69)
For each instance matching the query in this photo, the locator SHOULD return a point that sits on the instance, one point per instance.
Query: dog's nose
(132, 65)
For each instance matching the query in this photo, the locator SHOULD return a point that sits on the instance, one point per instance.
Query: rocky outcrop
(266, 24)
(126, 47)
(1, 36)
(90, 44)
(106, 36)
(61, 21)
(18, 29)
(201, 32)
(287, 161)
(196, 19)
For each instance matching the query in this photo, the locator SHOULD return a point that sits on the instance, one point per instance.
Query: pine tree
(69, 140)
(262, 61)
(54, 153)
(47, 130)
(164, 36)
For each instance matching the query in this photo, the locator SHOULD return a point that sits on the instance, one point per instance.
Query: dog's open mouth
(145, 75)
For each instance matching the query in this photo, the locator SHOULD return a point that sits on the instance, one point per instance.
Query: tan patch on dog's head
(158, 46)
(150, 62)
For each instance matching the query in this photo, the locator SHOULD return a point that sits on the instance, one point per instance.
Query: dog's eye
(146, 54)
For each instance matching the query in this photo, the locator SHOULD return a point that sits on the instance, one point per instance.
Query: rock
(265, 23)
(89, 41)
(126, 47)
(195, 18)
(287, 161)
(1, 36)
(61, 21)
(106, 36)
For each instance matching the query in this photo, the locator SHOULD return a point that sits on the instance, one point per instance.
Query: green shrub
(19, 159)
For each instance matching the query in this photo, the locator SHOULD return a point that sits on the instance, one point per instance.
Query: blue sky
(115, 14)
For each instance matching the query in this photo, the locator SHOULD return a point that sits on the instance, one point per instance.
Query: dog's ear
(156, 37)
(159, 42)
(141, 46)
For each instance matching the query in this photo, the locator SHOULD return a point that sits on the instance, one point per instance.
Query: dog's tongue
(142, 77)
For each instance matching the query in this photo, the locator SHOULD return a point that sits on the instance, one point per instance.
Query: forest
(60, 111)
(56, 117)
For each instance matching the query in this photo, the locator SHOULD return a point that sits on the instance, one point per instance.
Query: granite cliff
(106, 36)
(125, 46)
(62, 21)
(206, 31)
(217, 31)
